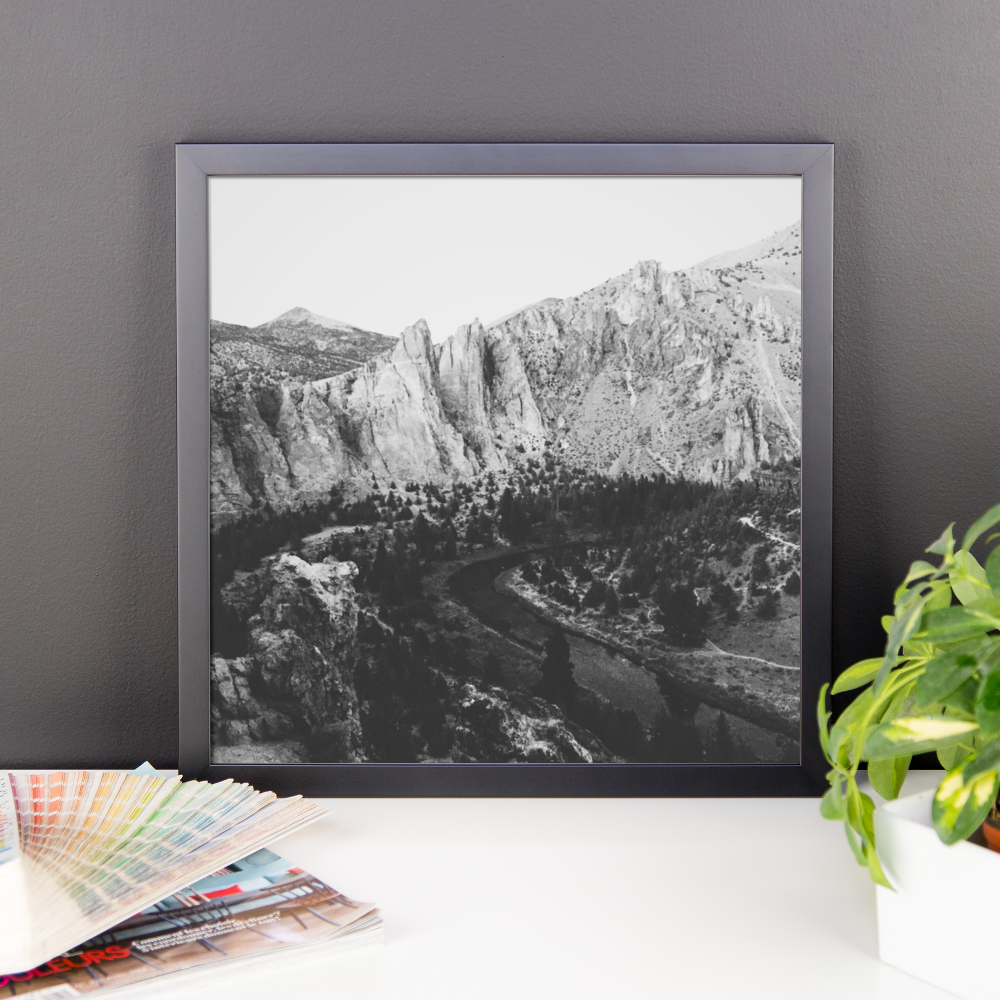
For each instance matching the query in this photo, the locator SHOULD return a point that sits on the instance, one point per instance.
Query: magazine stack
(129, 880)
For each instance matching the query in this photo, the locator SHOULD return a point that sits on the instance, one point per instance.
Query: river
(626, 684)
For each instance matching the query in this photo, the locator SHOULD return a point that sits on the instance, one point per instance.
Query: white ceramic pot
(940, 924)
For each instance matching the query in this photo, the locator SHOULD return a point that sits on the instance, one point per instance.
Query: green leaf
(918, 570)
(990, 696)
(951, 757)
(832, 805)
(861, 814)
(963, 699)
(875, 867)
(823, 719)
(983, 761)
(857, 676)
(887, 775)
(949, 670)
(945, 545)
(959, 808)
(902, 628)
(993, 571)
(859, 853)
(990, 605)
(988, 722)
(941, 598)
(984, 523)
(849, 721)
(887, 621)
(901, 703)
(914, 735)
(905, 598)
(867, 710)
(988, 705)
(956, 624)
(867, 817)
(968, 579)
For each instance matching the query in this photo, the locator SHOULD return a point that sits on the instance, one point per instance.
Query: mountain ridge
(692, 372)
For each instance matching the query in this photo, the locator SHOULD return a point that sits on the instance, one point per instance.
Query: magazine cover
(254, 907)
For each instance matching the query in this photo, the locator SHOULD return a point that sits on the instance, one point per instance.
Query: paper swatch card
(10, 849)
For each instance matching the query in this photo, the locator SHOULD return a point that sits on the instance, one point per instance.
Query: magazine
(260, 908)
(82, 850)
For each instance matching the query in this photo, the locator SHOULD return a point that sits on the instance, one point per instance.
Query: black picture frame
(195, 163)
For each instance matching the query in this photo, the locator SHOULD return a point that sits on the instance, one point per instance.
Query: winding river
(625, 683)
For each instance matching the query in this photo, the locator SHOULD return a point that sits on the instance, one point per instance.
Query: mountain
(772, 268)
(693, 372)
(297, 345)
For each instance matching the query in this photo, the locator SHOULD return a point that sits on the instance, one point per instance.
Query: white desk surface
(578, 898)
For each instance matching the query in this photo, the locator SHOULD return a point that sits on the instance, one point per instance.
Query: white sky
(382, 252)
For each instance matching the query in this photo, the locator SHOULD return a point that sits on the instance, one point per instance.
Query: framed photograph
(504, 469)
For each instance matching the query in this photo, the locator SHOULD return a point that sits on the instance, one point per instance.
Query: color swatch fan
(82, 850)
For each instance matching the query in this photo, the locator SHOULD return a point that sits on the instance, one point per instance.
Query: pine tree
(520, 522)
(422, 536)
(610, 601)
(450, 550)
(682, 617)
(596, 594)
(378, 568)
(558, 684)
(768, 607)
(485, 526)
(504, 513)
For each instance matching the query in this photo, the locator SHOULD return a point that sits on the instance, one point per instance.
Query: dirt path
(744, 656)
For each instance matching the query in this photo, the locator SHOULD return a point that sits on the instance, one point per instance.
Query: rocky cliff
(296, 676)
(308, 686)
(251, 369)
(693, 372)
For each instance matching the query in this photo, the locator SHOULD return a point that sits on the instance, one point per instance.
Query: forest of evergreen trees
(659, 523)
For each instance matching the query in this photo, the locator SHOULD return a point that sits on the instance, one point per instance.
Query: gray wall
(94, 94)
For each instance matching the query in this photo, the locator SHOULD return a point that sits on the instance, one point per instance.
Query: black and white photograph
(505, 469)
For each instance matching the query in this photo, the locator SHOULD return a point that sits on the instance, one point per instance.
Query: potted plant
(936, 687)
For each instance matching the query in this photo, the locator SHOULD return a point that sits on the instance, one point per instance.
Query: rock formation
(293, 696)
(514, 728)
(296, 676)
(693, 372)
